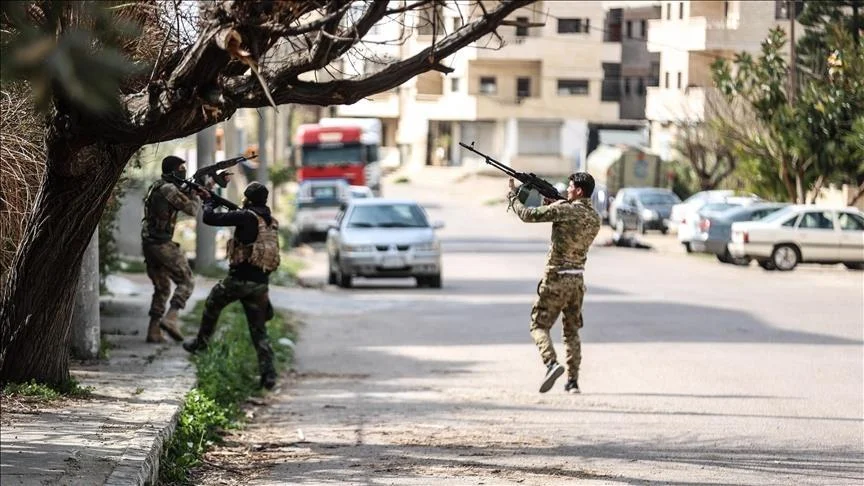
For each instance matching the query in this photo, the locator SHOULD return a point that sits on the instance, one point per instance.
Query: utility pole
(262, 175)
(205, 236)
(793, 61)
(86, 324)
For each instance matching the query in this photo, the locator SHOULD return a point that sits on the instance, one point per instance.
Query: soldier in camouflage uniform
(253, 253)
(164, 259)
(575, 224)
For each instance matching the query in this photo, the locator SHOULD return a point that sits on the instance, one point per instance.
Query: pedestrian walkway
(116, 436)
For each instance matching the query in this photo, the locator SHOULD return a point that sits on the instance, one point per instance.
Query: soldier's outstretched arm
(188, 204)
(544, 214)
(228, 218)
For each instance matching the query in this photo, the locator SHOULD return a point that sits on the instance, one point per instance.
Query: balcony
(671, 105)
(699, 34)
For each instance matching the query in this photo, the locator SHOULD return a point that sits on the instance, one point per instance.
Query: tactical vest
(263, 252)
(160, 216)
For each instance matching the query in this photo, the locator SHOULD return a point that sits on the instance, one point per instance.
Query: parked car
(318, 202)
(715, 227)
(359, 192)
(688, 228)
(383, 238)
(802, 234)
(641, 209)
(699, 199)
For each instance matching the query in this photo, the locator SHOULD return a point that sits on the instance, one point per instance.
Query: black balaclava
(256, 194)
(170, 164)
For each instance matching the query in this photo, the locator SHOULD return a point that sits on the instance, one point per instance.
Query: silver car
(383, 238)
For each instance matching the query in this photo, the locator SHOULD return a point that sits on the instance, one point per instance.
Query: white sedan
(802, 234)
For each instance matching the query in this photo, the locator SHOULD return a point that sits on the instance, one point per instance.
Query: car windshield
(388, 216)
(656, 198)
(778, 215)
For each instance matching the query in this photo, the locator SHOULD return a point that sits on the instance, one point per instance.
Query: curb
(139, 464)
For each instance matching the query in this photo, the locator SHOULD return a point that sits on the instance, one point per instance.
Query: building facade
(689, 36)
(531, 104)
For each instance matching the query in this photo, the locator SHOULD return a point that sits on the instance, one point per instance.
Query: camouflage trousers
(166, 263)
(255, 299)
(558, 293)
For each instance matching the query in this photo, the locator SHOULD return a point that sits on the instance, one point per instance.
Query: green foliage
(227, 375)
(282, 174)
(788, 147)
(46, 393)
(286, 274)
(131, 266)
(402, 180)
(58, 59)
(105, 346)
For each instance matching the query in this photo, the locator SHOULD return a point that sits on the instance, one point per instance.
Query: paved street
(693, 372)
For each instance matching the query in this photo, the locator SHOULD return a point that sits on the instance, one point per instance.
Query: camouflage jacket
(574, 227)
(163, 201)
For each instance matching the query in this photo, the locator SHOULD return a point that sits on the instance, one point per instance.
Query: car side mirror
(437, 225)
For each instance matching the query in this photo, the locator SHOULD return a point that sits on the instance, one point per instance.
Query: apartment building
(532, 104)
(689, 36)
(640, 68)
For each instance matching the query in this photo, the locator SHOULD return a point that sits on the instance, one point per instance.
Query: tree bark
(36, 316)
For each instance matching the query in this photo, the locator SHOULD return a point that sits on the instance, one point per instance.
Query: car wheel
(785, 257)
(687, 247)
(342, 280)
(664, 230)
(331, 275)
(723, 258)
(854, 266)
(767, 265)
(740, 261)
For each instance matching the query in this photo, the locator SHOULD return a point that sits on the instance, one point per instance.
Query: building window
(573, 26)
(679, 79)
(626, 86)
(523, 87)
(681, 10)
(611, 90)
(522, 28)
(570, 87)
(781, 9)
(488, 85)
(643, 26)
(629, 29)
(667, 79)
(454, 85)
(612, 32)
(668, 11)
(640, 87)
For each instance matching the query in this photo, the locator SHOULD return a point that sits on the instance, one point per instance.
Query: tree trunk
(38, 296)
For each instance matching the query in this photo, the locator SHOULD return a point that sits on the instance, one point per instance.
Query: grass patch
(46, 393)
(212, 271)
(105, 347)
(286, 274)
(227, 374)
(402, 180)
(132, 266)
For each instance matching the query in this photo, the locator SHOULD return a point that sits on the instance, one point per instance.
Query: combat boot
(154, 334)
(572, 386)
(169, 325)
(195, 345)
(553, 372)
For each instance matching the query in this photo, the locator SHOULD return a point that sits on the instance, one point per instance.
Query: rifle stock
(529, 180)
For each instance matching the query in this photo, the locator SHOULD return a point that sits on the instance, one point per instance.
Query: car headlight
(431, 246)
(649, 214)
(358, 248)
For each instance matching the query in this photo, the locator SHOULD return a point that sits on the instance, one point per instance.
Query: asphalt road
(693, 372)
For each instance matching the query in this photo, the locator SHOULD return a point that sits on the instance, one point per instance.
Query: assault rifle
(218, 174)
(529, 180)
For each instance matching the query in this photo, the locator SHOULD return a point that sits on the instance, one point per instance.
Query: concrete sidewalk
(116, 436)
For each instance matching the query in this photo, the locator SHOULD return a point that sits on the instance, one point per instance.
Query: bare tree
(711, 159)
(202, 66)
